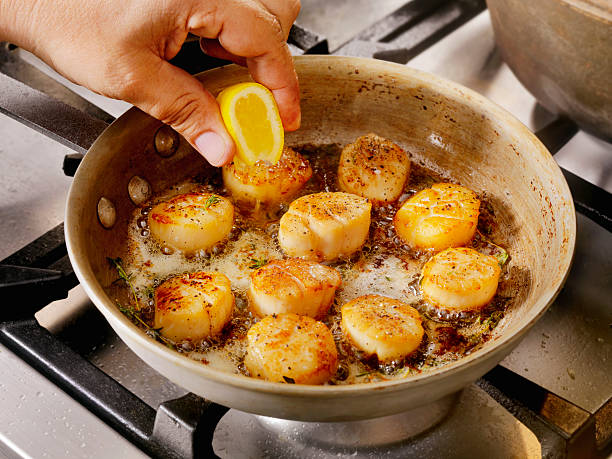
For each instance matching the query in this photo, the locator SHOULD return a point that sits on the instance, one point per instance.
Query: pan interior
(443, 125)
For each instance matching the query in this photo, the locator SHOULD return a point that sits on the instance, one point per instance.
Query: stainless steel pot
(561, 50)
(441, 123)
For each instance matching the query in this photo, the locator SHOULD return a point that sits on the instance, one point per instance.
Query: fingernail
(294, 124)
(298, 121)
(214, 148)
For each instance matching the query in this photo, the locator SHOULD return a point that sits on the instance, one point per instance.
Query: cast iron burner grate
(41, 273)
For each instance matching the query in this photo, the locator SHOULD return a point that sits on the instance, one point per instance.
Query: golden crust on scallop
(373, 167)
(325, 226)
(291, 348)
(192, 221)
(460, 279)
(268, 183)
(193, 306)
(381, 326)
(439, 217)
(294, 285)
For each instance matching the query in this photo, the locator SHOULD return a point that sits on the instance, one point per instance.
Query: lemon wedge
(251, 117)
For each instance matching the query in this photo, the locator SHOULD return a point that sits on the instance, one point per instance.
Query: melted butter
(392, 278)
(384, 267)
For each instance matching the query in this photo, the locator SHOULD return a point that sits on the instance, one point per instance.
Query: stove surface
(568, 352)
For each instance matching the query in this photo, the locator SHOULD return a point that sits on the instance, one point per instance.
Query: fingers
(176, 98)
(286, 11)
(214, 49)
(275, 70)
(257, 31)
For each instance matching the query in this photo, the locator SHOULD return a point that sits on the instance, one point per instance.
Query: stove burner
(380, 433)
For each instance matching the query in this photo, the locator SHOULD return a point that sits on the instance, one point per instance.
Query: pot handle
(71, 127)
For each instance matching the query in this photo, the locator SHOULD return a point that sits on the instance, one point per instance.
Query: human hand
(121, 48)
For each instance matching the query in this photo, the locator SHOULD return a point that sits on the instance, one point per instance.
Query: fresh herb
(155, 332)
(427, 365)
(258, 263)
(403, 372)
(129, 310)
(502, 257)
(486, 229)
(212, 199)
(364, 374)
(123, 275)
(289, 380)
(485, 326)
(388, 278)
(493, 320)
(500, 253)
(150, 292)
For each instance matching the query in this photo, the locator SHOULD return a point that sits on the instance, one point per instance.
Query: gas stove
(70, 387)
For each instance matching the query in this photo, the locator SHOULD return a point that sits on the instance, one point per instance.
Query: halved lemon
(251, 117)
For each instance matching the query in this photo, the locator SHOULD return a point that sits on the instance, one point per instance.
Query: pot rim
(600, 10)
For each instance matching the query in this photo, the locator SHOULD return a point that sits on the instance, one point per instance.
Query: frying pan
(442, 124)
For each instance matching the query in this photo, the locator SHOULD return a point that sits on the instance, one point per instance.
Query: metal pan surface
(442, 123)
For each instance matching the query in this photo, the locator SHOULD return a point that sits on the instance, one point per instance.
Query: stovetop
(550, 397)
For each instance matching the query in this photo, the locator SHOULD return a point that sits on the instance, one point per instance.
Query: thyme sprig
(150, 292)
(501, 254)
(123, 275)
(129, 311)
(258, 263)
(155, 332)
(493, 320)
(212, 199)
(485, 326)
(365, 373)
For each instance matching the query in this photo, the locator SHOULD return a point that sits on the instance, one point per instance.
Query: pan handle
(71, 127)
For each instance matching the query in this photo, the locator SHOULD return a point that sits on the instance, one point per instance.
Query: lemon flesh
(251, 117)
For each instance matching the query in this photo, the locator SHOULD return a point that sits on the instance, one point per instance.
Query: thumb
(176, 98)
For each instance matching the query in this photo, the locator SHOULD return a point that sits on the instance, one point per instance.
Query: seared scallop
(439, 217)
(373, 167)
(291, 348)
(294, 285)
(381, 326)
(460, 279)
(267, 183)
(325, 226)
(191, 222)
(193, 306)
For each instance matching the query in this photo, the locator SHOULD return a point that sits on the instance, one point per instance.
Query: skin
(121, 48)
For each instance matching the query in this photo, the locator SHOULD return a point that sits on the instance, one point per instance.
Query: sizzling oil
(384, 266)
